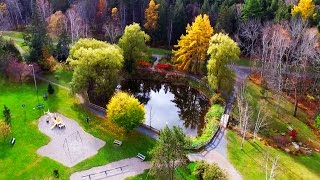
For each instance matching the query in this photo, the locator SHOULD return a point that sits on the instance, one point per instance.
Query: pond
(174, 105)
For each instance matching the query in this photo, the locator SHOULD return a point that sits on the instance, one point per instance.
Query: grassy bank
(250, 161)
(278, 122)
(160, 51)
(181, 173)
(61, 75)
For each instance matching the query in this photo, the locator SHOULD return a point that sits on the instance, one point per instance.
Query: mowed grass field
(251, 161)
(278, 122)
(21, 161)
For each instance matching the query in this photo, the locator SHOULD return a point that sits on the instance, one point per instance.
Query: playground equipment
(73, 146)
(55, 119)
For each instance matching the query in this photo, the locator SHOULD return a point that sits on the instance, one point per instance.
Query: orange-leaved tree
(305, 8)
(192, 48)
(57, 23)
(151, 15)
(100, 8)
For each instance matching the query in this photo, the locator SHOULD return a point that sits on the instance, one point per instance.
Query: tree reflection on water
(188, 104)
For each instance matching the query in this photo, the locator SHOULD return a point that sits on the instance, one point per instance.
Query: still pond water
(174, 105)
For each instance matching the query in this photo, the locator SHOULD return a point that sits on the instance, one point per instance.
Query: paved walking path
(158, 57)
(115, 170)
(216, 150)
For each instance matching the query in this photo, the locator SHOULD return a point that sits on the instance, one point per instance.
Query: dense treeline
(93, 17)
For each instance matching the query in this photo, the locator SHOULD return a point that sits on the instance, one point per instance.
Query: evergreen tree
(163, 21)
(261, 9)
(179, 20)
(205, 8)
(62, 49)
(36, 37)
(50, 89)
(226, 19)
(169, 153)
(283, 12)
(6, 114)
(252, 9)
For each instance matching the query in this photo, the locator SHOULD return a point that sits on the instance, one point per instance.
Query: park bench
(117, 142)
(140, 156)
(12, 140)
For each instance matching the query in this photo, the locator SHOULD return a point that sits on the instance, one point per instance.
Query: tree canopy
(192, 47)
(63, 47)
(125, 110)
(222, 51)
(305, 8)
(168, 153)
(133, 44)
(151, 15)
(37, 38)
(96, 66)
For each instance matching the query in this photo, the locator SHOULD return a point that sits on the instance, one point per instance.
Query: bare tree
(275, 44)
(261, 120)
(248, 36)
(123, 15)
(4, 18)
(76, 25)
(44, 8)
(302, 52)
(291, 2)
(112, 27)
(15, 11)
(274, 165)
(172, 14)
(244, 112)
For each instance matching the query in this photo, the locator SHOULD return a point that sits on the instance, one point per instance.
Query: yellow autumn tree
(305, 8)
(192, 47)
(151, 15)
(3, 7)
(125, 110)
(114, 13)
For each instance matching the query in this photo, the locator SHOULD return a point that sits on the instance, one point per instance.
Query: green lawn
(17, 38)
(244, 62)
(278, 123)
(21, 160)
(61, 75)
(13, 34)
(160, 51)
(182, 173)
(250, 161)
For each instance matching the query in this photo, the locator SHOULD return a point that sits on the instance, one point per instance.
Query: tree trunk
(295, 102)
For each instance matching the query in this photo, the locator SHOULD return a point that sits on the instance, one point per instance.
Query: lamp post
(35, 83)
(24, 109)
(150, 116)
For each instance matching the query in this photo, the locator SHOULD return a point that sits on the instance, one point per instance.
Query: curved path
(216, 150)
